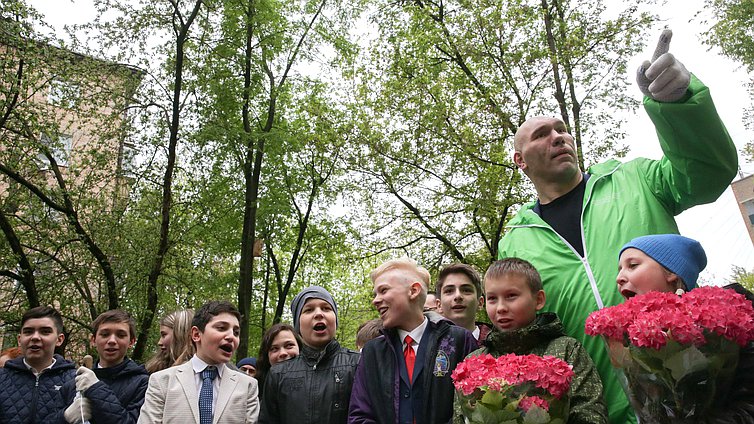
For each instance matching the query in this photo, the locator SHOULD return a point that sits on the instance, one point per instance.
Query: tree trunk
(167, 187)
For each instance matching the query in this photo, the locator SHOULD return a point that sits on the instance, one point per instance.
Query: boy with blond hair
(404, 374)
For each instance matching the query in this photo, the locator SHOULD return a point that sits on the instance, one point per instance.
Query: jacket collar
(314, 356)
(528, 215)
(545, 327)
(60, 364)
(127, 367)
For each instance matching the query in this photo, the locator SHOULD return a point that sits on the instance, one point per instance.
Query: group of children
(303, 375)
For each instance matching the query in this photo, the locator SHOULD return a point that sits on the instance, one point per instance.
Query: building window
(63, 94)
(60, 149)
(128, 159)
(749, 208)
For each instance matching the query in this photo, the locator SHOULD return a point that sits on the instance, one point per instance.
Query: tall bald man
(573, 231)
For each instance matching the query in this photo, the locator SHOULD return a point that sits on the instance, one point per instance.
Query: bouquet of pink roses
(678, 354)
(513, 389)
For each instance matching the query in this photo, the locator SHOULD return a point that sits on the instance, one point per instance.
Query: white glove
(81, 406)
(85, 378)
(664, 79)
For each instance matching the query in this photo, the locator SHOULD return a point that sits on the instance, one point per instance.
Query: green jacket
(545, 336)
(623, 201)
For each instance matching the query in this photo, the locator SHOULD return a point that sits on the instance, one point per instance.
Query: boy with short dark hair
(404, 375)
(203, 389)
(113, 390)
(30, 384)
(514, 294)
(459, 290)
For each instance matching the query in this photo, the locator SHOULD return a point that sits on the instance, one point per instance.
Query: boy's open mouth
(627, 293)
(320, 326)
(226, 347)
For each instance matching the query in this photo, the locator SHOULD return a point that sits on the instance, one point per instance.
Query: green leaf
(685, 362)
(493, 399)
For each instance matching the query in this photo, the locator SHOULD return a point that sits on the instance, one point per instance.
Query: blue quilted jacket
(25, 398)
(116, 398)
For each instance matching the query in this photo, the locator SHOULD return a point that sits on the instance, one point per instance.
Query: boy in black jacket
(113, 391)
(404, 375)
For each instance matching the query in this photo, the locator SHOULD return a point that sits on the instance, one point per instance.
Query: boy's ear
(413, 291)
(196, 335)
(481, 302)
(92, 340)
(60, 339)
(540, 299)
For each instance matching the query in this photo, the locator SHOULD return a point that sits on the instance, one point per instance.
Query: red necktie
(410, 356)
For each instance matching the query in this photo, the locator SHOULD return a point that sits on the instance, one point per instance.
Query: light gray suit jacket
(172, 398)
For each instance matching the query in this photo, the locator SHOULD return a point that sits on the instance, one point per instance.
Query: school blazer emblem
(442, 364)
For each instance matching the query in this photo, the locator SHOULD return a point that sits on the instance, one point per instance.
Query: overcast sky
(718, 226)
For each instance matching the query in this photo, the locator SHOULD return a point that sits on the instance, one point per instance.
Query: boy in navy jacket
(113, 390)
(404, 374)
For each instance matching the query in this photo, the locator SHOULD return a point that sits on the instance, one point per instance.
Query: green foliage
(732, 30)
(440, 94)
(391, 140)
(743, 277)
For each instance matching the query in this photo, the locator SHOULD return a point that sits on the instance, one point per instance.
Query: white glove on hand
(664, 79)
(85, 378)
(73, 413)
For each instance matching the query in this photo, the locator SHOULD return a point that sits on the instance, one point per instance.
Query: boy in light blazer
(204, 390)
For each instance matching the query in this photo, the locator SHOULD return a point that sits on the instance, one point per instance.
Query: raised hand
(664, 79)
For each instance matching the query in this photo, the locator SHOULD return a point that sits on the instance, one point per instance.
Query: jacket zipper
(584, 260)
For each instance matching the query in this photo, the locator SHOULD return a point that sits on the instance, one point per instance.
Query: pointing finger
(664, 44)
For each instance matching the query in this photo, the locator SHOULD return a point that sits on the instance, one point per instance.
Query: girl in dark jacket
(279, 343)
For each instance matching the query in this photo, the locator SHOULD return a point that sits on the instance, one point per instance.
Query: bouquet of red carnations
(513, 389)
(678, 353)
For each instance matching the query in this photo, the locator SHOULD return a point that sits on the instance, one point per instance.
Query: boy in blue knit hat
(671, 263)
(661, 262)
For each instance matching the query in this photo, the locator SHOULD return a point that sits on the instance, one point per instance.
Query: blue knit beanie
(313, 292)
(681, 255)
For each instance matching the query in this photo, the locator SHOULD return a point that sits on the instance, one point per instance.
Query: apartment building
(63, 137)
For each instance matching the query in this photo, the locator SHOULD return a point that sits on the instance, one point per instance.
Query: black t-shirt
(564, 215)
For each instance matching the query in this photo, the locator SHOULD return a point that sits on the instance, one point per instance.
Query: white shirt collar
(199, 365)
(477, 331)
(34, 371)
(415, 334)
